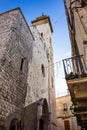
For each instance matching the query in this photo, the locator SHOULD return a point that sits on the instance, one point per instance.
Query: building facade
(65, 119)
(76, 66)
(27, 73)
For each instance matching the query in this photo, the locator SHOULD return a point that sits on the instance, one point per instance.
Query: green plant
(71, 75)
(74, 108)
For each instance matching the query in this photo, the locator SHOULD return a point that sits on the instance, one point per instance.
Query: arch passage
(41, 124)
(43, 114)
(15, 125)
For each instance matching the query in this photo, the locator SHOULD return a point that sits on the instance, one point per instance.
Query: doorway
(67, 125)
(41, 124)
(14, 125)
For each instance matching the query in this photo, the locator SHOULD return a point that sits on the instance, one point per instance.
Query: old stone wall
(26, 65)
(15, 53)
(38, 71)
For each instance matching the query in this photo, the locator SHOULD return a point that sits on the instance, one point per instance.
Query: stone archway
(14, 125)
(43, 115)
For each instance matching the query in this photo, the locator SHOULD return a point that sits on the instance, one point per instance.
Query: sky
(61, 43)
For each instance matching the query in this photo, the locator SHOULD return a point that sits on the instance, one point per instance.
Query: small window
(22, 62)
(43, 70)
(41, 34)
(65, 106)
(52, 81)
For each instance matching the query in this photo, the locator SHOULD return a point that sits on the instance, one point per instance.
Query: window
(52, 81)
(22, 62)
(41, 34)
(43, 70)
(65, 107)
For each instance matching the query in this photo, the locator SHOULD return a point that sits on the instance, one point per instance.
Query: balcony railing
(74, 67)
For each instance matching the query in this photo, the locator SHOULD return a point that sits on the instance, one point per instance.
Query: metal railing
(74, 67)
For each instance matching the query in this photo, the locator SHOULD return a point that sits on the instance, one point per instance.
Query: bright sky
(61, 44)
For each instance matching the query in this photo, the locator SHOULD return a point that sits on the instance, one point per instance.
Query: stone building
(27, 91)
(65, 119)
(76, 66)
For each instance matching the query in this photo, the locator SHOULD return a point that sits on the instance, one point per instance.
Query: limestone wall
(15, 53)
(37, 80)
(44, 28)
(26, 65)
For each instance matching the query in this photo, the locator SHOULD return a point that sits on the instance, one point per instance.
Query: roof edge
(42, 18)
(19, 9)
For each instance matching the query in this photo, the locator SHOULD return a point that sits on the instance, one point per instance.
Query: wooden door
(67, 125)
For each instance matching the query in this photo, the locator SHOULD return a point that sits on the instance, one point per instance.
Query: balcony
(74, 67)
(76, 78)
